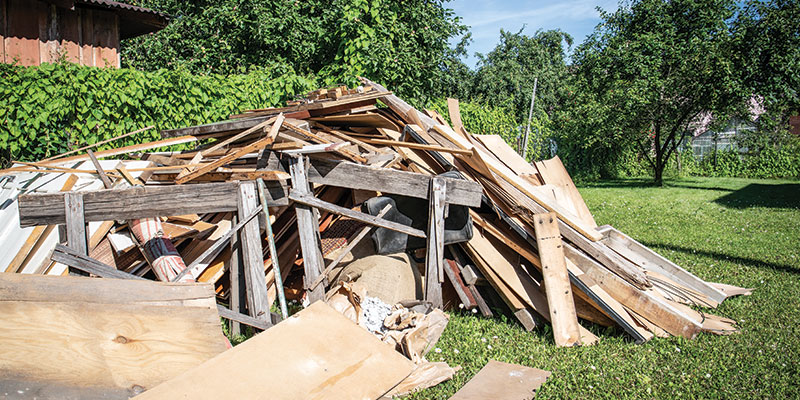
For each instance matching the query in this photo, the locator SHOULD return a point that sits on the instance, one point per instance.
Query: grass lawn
(737, 231)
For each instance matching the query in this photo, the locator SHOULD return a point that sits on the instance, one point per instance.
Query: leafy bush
(482, 119)
(53, 108)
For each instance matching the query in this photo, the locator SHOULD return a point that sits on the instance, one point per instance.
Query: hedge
(53, 108)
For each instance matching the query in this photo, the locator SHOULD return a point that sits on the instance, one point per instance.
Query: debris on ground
(387, 214)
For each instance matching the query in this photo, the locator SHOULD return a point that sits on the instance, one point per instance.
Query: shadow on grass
(721, 256)
(620, 183)
(783, 195)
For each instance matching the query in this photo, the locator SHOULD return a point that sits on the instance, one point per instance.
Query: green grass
(736, 231)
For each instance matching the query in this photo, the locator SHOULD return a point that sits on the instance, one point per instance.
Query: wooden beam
(74, 220)
(556, 281)
(126, 149)
(308, 229)
(417, 146)
(252, 255)
(434, 256)
(361, 177)
(69, 257)
(312, 201)
(141, 202)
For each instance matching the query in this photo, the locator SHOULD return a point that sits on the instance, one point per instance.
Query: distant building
(721, 139)
(86, 32)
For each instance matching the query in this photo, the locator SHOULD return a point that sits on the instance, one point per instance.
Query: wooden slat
(126, 149)
(141, 202)
(74, 220)
(556, 281)
(308, 229)
(252, 255)
(641, 302)
(390, 181)
(434, 256)
(417, 146)
(240, 152)
(356, 215)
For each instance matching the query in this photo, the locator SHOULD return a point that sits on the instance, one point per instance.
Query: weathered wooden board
(553, 172)
(315, 354)
(556, 280)
(385, 180)
(108, 333)
(502, 381)
(649, 260)
(141, 202)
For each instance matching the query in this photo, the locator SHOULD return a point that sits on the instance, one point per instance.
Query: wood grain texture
(101, 332)
(272, 365)
(502, 381)
(556, 281)
(434, 254)
(258, 302)
(141, 202)
(390, 181)
(308, 230)
(75, 222)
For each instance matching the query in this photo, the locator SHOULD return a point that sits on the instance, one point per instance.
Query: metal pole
(530, 115)
(273, 251)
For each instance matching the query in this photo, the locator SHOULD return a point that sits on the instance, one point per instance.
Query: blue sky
(486, 18)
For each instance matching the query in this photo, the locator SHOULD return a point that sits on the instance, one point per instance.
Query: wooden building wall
(33, 32)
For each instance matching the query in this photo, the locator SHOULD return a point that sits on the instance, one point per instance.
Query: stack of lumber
(269, 203)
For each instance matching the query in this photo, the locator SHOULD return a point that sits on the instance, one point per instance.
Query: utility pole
(530, 115)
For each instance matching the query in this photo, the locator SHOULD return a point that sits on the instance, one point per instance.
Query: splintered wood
(454, 219)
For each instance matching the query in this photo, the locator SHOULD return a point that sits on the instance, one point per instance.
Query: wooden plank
(67, 256)
(312, 201)
(315, 369)
(366, 119)
(498, 380)
(417, 146)
(240, 152)
(641, 302)
(91, 146)
(258, 302)
(74, 220)
(482, 162)
(455, 114)
(361, 177)
(451, 272)
(111, 333)
(556, 281)
(649, 260)
(125, 150)
(308, 229)
(434, 254)
(141, 202)
(236, 295)
(553, 172)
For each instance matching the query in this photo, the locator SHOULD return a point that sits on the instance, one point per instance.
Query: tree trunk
(659, 173)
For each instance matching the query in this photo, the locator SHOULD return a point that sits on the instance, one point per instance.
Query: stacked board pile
(273, 204)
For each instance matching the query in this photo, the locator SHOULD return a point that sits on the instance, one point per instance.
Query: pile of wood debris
(384, 213)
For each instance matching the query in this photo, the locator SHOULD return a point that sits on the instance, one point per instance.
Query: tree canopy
(401, 44)
(652, 68)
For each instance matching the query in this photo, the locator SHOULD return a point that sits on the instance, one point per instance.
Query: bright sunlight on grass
(736, 231)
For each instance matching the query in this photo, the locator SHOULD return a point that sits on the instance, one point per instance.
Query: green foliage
(482, 119)
(505, 76)
(56, 107)
(404, 45)
(649, 70)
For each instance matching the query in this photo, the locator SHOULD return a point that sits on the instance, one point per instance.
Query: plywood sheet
(104, 333)
(314, 354)
(502, 381)
(553, 172)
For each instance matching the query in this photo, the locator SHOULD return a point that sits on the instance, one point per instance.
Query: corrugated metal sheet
(12, 237)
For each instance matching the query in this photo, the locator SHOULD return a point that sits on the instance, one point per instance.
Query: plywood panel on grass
(314, 354)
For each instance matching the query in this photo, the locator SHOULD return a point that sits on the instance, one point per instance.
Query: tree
(505, 77)
(401, 44)
(768, 62)
(652, 68)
